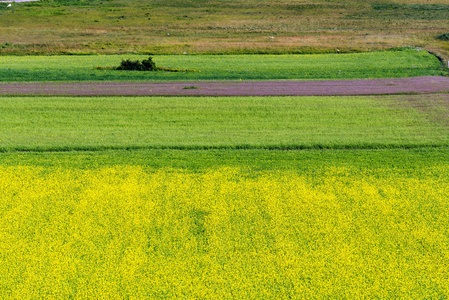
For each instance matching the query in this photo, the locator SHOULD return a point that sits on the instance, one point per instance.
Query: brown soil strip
(418, 85)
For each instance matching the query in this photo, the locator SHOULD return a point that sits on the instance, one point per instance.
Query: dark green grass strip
(372, 146)
(308, 160)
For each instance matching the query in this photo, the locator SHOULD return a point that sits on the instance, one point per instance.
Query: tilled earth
(414, 85)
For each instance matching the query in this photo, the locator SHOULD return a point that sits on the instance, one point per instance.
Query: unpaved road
(414, 85)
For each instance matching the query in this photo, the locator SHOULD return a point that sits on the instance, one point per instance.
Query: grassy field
(64, 123)
(231, 26)
(405, 62)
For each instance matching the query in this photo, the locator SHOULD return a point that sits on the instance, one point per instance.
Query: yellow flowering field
(128, 232)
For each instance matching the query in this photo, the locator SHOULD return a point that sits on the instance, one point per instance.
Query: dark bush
(444, 37)
(136, 65)
(149, 64)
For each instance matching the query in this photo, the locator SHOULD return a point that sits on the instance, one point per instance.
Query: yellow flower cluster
(230, 233)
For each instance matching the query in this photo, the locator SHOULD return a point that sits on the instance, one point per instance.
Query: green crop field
(403, 63)
(64, 123)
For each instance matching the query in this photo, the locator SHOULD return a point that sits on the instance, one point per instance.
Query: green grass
(69, 123)
(407, 162)
(405, 63)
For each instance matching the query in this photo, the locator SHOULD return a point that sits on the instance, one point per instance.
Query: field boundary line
(233, 147)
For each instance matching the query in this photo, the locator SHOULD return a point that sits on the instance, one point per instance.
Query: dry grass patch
(164, 27)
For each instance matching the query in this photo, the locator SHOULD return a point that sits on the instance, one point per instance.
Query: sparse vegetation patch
(219, 27)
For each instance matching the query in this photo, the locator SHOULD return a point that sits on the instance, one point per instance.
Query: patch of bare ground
(414, 85)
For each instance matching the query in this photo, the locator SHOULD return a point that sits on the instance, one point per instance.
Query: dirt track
(418, 85)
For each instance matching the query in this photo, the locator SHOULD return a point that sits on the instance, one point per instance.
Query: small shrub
(145, 65)
(444, 37)
(149, 64)
(136, 65)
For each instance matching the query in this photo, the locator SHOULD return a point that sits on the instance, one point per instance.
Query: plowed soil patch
(418, 85)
